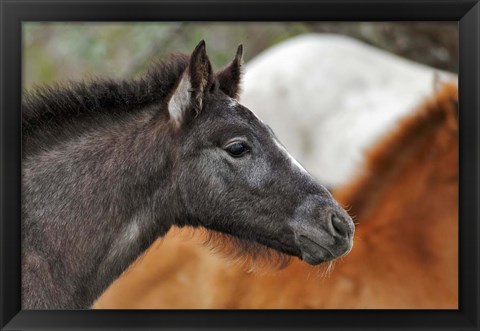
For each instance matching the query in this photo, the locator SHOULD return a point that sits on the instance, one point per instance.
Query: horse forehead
(252, 117)
(263, 130)
(246, 114)
(228, 115)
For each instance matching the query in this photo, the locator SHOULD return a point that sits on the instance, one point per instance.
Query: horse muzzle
(322, 231)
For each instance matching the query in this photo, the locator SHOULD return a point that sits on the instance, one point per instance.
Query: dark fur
(50, 114)
(229, 78)
(250, 254)
(109, 167)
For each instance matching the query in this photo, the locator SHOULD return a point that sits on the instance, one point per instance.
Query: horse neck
(96, 202)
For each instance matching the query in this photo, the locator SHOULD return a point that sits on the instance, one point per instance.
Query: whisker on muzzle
(325, 269)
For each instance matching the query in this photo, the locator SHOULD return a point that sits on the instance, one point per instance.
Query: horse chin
(314, 253)
(319, 256)
(316, 259)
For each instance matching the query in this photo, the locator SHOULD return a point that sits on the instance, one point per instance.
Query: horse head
(232, 175)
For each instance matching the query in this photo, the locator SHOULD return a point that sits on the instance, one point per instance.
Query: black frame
(13, 12)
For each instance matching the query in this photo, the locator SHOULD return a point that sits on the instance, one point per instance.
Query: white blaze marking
(233, 103)
(290, 157)
(258, 118)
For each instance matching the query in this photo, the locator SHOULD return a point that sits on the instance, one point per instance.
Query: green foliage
(66, 51)
(75, 51)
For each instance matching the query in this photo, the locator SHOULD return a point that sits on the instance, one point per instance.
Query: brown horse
(405, 254)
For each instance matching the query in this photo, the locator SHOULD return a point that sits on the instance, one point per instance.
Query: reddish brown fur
(406, 245)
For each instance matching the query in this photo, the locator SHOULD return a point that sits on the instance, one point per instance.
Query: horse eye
(237, 149)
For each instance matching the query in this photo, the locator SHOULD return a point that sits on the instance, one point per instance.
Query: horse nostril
(340, 225)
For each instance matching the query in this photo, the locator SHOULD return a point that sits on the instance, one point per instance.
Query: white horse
(329, 97)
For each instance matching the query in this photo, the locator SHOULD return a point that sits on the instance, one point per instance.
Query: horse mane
(389, 156)
(48, 112)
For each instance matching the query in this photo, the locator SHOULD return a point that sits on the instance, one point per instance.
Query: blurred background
(332, 92)
(63, 51)
(349, 84)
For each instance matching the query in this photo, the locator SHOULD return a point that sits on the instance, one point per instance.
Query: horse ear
(187, 99)
(229, 78)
